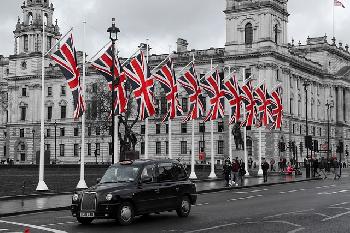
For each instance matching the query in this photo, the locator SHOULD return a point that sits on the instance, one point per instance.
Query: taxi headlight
(109, 197)
(75, 197)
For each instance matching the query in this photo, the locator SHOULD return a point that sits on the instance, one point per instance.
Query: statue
(236, 132)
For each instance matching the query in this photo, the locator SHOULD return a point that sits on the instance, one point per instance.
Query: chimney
(181, 45)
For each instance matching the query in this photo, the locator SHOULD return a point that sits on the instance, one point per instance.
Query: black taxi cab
(132, 188)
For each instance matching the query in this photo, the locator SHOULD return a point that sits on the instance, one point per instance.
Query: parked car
(133, 188)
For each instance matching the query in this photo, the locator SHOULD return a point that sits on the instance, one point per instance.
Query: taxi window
(149, 171)
(166, 172)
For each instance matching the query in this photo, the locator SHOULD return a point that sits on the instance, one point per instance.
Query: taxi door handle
(156, 190)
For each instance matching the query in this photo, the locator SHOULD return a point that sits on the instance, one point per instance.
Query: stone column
(347, 105)
(339, 98)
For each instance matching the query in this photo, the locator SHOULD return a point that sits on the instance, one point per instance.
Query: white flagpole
(245, 136)
(170, 143)
(41, 185)
(82, 183)
(333, 18)
(230, 126)
(260, 171)
(193, 173)
(212, 174)
(146, 121)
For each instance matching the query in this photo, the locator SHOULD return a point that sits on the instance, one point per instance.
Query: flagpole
(99, 52)
(230, 125)
(58, 41)
(82, 183)
(146, 121)
(193, 173)
(186, 67)
(260, 171)
(212, 174)
(161, 63)
(132, 56)
(245, 135)
(169, 126)
(116, 149)
(333, 19)
(41, 184)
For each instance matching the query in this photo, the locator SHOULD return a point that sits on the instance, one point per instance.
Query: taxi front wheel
(184, 207)
(125, 215)
(85, 221)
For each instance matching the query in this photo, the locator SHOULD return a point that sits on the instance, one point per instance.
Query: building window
(203, 100)
(143, 129)
(248, 34)
(48, 133)
(26, 43)
(23, 113)
(291, 106)
(110, 131)
(49, 91)
(49, 112)
(110, 148)
(202, 127)
(275, 30)
(220, 126)
(62, 132)
(24, 92)
(76, 132)
(158, 148)
(98, 148)
(300, 129)
(89, 131)
(23, 157)
(184, 104)
(63, 90)
(320, 132)
(61, 150)
(220, 147)
(76, 150)
(201, 146)
(142, 148)
(63, 112)
(98, 131)
(163, 105)
(89, 149)
(166, 128)
(313, 131)
(21, 133)
(157, 128)
(183, 127)
(47, 147)
(183, 147)
(293, 128)
(166, 147)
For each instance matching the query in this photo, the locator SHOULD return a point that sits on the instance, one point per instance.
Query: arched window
(46, 19)
(275, 30)
(248, 34)
(30, 18)
(25, 43)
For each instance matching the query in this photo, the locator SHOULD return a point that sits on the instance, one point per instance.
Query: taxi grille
(88, 202)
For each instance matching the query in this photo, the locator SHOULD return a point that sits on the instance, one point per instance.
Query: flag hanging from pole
(104, 64)
(249, 103)
(167, 79)
(65, 57)
(213, 86)
(338, 3)
(141, 82)
(263, 102)
(190, 83)
(276, 108)
(233, 95)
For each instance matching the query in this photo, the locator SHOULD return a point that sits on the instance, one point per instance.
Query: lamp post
(308, 167)
(329, 106)
(33, 131)
(113, 36)
(55, 124)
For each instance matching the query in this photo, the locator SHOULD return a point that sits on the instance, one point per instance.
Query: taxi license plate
(87, 214)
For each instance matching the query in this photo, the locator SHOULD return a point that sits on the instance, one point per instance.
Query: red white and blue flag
(167, 79)
(338, 3)
(104, 64)
(249, 102)
(233, 95)
(213, 86)
(263, 102)
(141, 83)
(191, 84)
(65, 57)
(276, 108)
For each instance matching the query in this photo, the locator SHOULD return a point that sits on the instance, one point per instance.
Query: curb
(199, 192)
(33, 195)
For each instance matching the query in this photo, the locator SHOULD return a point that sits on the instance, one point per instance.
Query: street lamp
(33, 131)
(113, 36)
(329, 106)
(308, 167)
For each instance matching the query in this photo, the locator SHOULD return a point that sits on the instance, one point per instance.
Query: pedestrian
(322, 166)
(250, 163)
(315, 168)
(336, 166)
(227, 172)
(235, 170)
(272, 163)
(265, 168)
(242, 171)
(290, 169)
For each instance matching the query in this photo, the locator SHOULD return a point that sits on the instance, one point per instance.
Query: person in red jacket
(235, 170)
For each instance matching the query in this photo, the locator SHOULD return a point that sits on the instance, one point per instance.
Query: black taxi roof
(142, 162)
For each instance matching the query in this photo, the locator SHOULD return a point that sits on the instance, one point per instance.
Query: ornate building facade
(256, 40)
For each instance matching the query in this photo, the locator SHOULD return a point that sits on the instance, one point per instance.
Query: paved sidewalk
(23, 205)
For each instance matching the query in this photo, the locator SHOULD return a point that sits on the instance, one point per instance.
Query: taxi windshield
(120, 174)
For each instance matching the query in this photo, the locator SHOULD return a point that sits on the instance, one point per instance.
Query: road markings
(201, 204)
(244, 198)
(287, 213)
(343, 203)
(212, 228)
(241, 192)
(256, 190)
(325, 186)
(335, 192)
(33, 226)
(335, 216)
(323, 215)
(296, 230)
(284, 222)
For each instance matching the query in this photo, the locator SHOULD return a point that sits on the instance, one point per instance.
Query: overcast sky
(201, 22)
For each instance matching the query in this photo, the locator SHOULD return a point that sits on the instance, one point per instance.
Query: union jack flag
(142, 85)
(233, 95)
(276, 108)
(249, 102)
(104, 64)
(263, 102)
(65, 57)
(166, 77)
(214, 88)
(191, 84)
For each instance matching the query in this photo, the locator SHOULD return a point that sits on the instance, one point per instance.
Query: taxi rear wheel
(125, 215)
(85, 221)
(184, 207)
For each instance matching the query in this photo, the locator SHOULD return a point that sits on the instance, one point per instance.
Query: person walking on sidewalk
(242, 171)
(322, 166)
(272, 164)
(235, 170)
(265, 168)
(227, 172)
(336, 168)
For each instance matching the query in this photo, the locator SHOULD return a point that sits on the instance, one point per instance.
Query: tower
(28, 33)
(252, 24)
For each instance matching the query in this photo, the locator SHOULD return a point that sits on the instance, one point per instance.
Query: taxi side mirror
(98, 180)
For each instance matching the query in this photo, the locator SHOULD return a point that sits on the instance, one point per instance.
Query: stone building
(256, 40)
